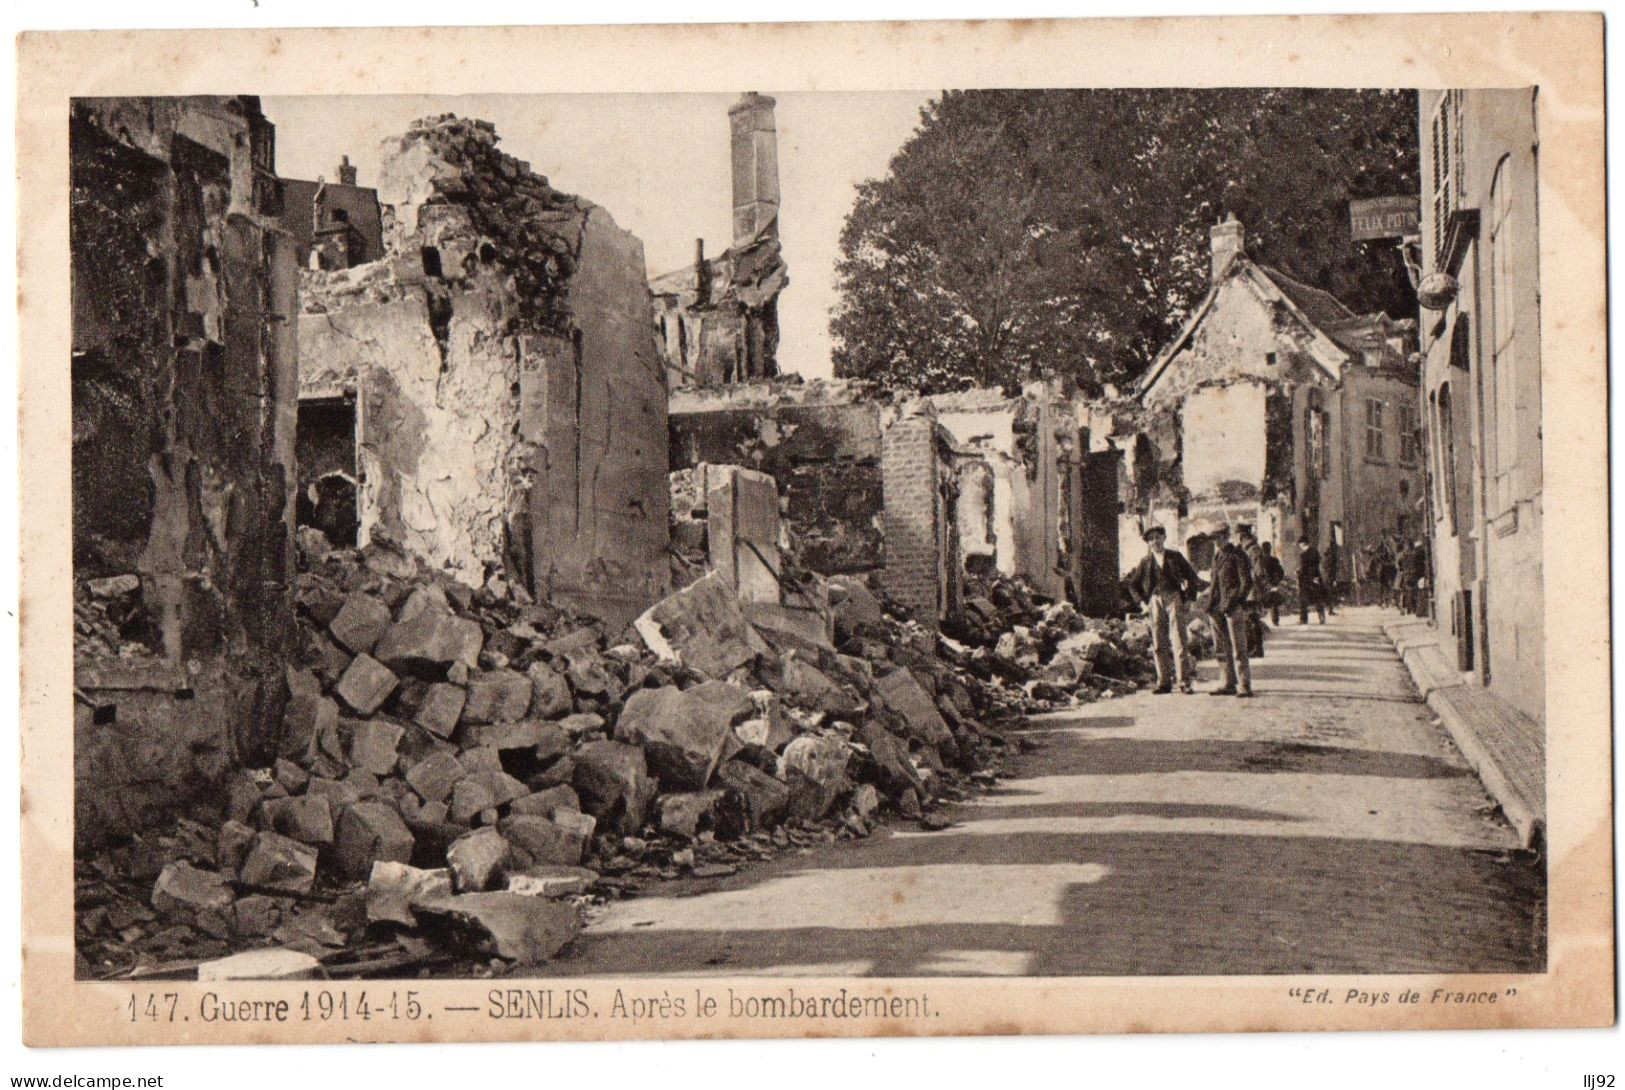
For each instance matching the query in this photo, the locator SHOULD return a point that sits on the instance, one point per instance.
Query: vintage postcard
(814, 530)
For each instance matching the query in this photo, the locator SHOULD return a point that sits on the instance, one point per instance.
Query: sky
(658, 163)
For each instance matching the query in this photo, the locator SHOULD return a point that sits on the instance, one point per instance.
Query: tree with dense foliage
(1027, 234)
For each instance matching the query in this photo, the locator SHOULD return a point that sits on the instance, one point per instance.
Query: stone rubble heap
(1045, 654)
(461, 772)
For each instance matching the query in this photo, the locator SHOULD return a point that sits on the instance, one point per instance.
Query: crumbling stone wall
(820, 443)
(921, 544)
(511, 403)
(184, 375)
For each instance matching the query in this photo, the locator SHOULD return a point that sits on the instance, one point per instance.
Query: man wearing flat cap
(1230, 609)
(1162, 584)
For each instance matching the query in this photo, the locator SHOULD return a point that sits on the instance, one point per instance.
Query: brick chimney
(346, 172)
(1227, 237)
(755, 148)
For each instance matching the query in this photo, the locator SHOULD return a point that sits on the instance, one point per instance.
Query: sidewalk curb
(1501, 745)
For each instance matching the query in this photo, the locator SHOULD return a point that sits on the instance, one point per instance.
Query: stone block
(581, 723)
(475, 859)
(701, 627)
(280, 862)
(809, 687)
(441, 708)
(304, 723)
(687, 814)
(393, 888)
(526, 930)
(613, 781)
(549, 692)
(366, 684)
(684, 734)
(763, 799)
(544, 803)
(895, 772)
(434, 777)
(339, 793)
(306, 818)
(231, 846)
(184, 889)
(367, 833)
(538, 840)
(359, 623)
(375, 746)
(500, 696)
(429, 643)
(902, 693)
(255, 916)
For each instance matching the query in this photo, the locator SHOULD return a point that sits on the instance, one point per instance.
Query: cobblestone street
(1327, 826)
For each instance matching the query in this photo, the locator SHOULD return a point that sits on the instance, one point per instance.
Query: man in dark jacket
(1270, 576)
(1228, 611)
(1329, 575)
(1162, 583)
(1309, 587)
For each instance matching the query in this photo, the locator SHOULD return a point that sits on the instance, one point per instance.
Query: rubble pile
(110, 619)
(1043, 654)
(460, 772)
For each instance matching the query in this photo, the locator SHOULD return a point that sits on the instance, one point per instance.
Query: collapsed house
(1037, 489)
(487, 395)
(184, 377)
(912, 490)
(1278, 406)
(718, 319)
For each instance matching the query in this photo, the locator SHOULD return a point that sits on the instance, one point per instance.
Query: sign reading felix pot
(1385, 217)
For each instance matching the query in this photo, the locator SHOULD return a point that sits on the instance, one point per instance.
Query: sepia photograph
(542, 540)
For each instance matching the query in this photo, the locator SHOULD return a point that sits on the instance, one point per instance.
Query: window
(1374, 448)
(1446, 158)
(1410, 435)
(1503, 339)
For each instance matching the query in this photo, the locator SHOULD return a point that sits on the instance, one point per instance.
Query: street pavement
(1327, 826)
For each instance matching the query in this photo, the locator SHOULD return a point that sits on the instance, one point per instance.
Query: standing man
(1329, 574)
(1229, 611)
(1270, 575)
(1309, 589)
(1387, 568)
(1162, 583)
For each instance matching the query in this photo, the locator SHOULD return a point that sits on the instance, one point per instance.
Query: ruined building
(718, 319)
(487, 396)
(1278, 406)
(334, 224)
(184, 378)
(1037, 489)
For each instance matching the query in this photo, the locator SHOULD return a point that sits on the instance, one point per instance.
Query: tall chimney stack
(346, 172)
(1228, 240)
(755, 148)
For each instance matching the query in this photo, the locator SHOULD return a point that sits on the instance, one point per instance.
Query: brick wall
(909, 472)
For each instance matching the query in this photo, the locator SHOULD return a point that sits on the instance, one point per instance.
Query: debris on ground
(461, 773)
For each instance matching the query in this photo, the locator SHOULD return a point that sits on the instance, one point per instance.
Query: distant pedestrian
(1416, 578)
(1272, 575)
(1387, 569)
(1329, 574)
(1255, 602)
(1162, 583)
(1402, 565)
(1228, 611)
(1310, 594)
